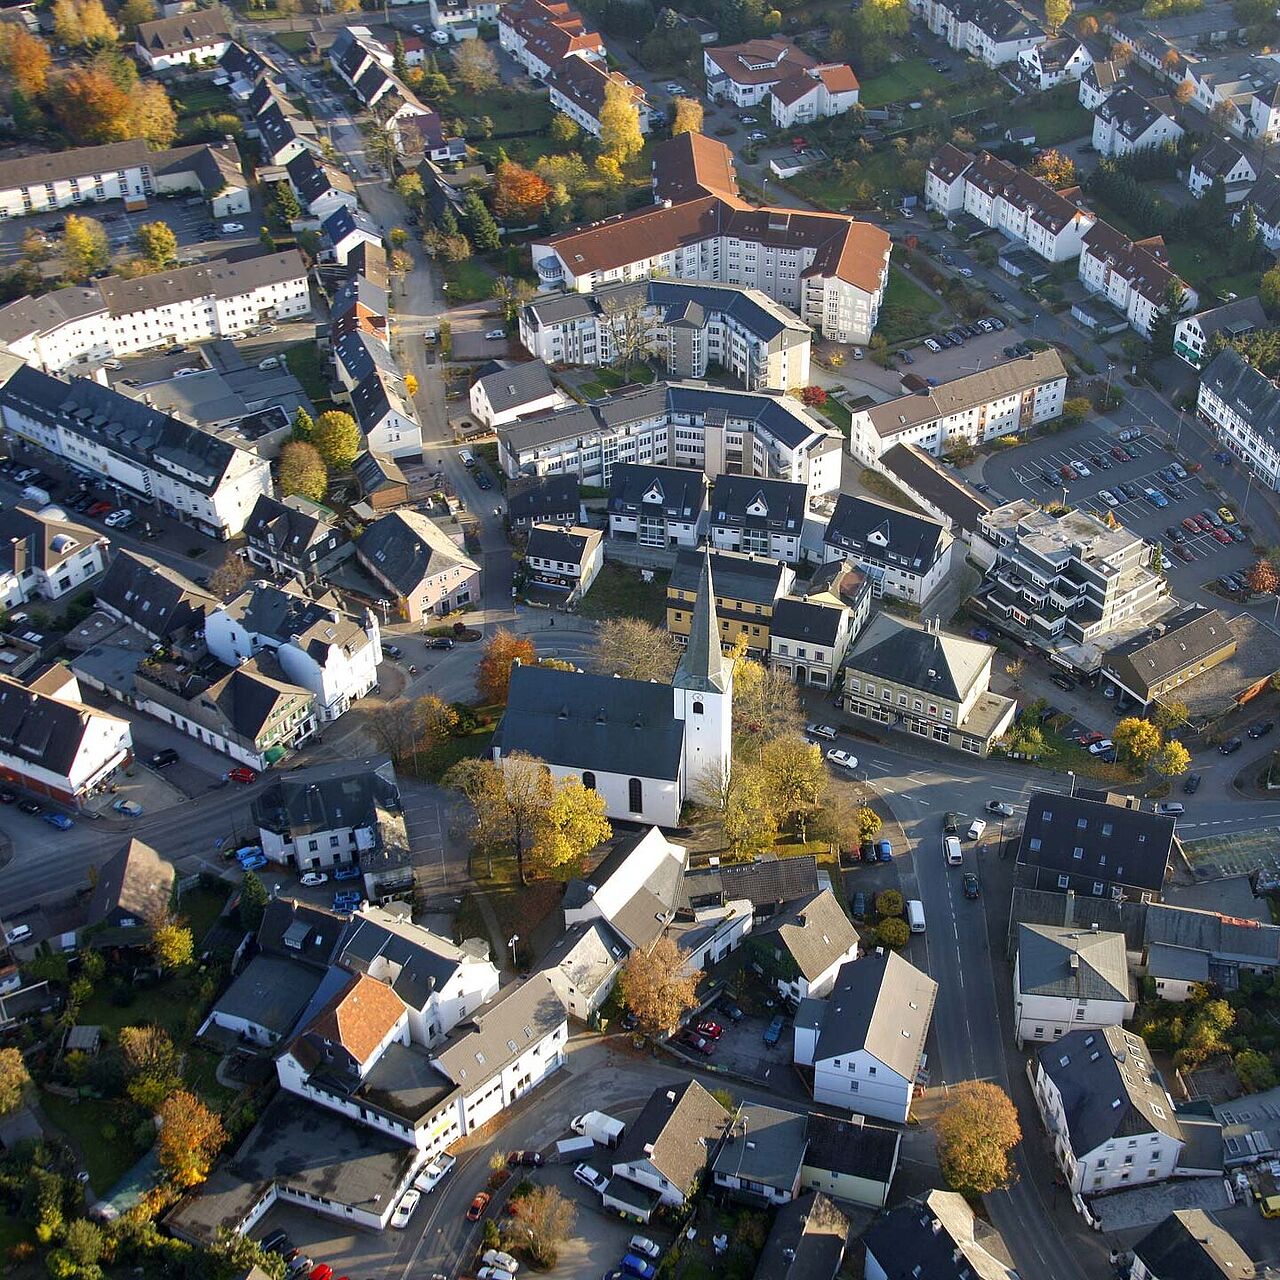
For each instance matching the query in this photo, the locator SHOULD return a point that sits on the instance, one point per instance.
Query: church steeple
(703, 666)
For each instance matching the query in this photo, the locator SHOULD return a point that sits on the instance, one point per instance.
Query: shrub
(888, 903)
(892, 933)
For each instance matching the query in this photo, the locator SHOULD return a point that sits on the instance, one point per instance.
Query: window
(1064, 882)
(589, 780)
(635, 796)
(697, 707)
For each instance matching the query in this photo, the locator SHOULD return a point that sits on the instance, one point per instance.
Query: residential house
(904, 555)
(1132, 275)
(154, 599)
(1003, 400)
(295, 537)
(214, 171)
(760, 1159)
(567, 560)
(1154, 665)
(689, 324)
(1095, 843)
(994, 31)
(320, 646)
(806, 1242)
(1193, 336)
(1222, 161)
(346, 228)
(818, 93)
(746, 74)
(1240, 90)
(829, 269)
(932, 683)
(937, 1235)
(656, 506)
(763, 517)
(668, 1147)
(1045, 66)
(804, 945)
(1126, 123)
(1110, 1118)
(322, 188)
(583, 965)
(504, 392)
(1243, 408)
(418, 565)
(43, 556)
(541, 34)
(53, 744)
(938, 490)
(850, 1159)
(544, 500)
(133, 890)
(1190, 1245)
(865, 1041)
(578, 87)
(767, 883)
(385, 412)
(1066, 581)
(747, 587)
(810, 631)
(1099, 81)
(678, 424)
(1185, 948)
(1069, 979)
(383, 486)
(1264, 200)
(185, 40)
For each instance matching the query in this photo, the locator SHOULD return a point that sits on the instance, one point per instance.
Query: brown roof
(1143, 263)
(838, 77)
(137, 880)
(999, 178)
(692, 164)
(359, 1018)
(759, 61)
(950, 162)
(585, 82)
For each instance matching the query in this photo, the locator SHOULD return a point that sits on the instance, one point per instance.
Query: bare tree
(230, 577)
(394, 726)
(630, 329)
(636, 650)
(529, 790)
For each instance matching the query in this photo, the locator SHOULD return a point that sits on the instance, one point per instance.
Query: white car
(417, 29)
(750, 120)
(427, 1180)
(952, 851)
(999, 807)
(404, 1210)
(976, 828)
(188, 372)
(1081, 469)
(493, 335)
(842, 759)
(932, 344)
(645, 1246)
(314, 878)
(966, 271)
(1108, 497)
(500, 1258)
(495, 1273)
(440, 37)
(232, 228)
(20, 933)
(590, 1177)
(820, 731)
(756, 136)
(119, 519)
(673, 87)
(1101, 748)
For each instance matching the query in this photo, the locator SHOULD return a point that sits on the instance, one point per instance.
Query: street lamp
(1106, 397)
(515, 937)
(1071, 773)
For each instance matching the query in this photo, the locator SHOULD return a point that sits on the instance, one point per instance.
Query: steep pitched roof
(1074, 964)
(679, 493)
(677, 1132)
(1190, 1245)
(703, 666)
(1249, 393)
(937, 1238)
(407, 548)
(136, 881)
(881, 531)
(359, 1018)
(513, 386)
(814, 930)
(933, 661)
(45, 731)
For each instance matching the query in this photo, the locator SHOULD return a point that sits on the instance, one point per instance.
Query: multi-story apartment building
(999, 401)
(904, 554)
(1044, 66)
(1069, 979)
(1009, 199)
(1127, 122)
(159, 460)
(678, 424)
(657, 506)
(765, 517)
(1132, 275)
(746, 589)
(1192, 335)
(541, 36)
(1065, 580)
(690, 325)
(44, 555)
(811, 629)
(116, 317)
(1243, 407)
(1100, 80)
(577, 88)
(994, 31)
(829, 269)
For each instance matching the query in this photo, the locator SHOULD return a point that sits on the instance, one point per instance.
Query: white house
(640, 869)
(45, 556)
(1132, 275)
(564, 559)
(1192, 335)
(905, 555)
(656, 506)
(346, 229)
(504, 392)
(320, 646)
(542, 36)
(1127, 122)
(762, 516)
(763, 1155)
(804, 946)
(993, 31)
(818, 93)
(185, 40)
(1044, 66)
(1069, 979)
(1223, 160)
(53, 744)
(811, 630)
(57, 179)
(386, 414)
(865, 1041)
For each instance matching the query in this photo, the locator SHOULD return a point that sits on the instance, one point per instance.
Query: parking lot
(1203, 558)
(982, 352)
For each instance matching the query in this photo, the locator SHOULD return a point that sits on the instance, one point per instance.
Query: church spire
(703, 666)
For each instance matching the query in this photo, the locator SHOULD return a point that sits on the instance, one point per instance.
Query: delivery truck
(599, 1128)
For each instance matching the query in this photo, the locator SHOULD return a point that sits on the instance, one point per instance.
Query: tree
(1262, 579)
(474, 66)
(656, 988)
(1056, 169)
(1246, 242)
(85, 247)
(630, 330)
(484, 787)
(151, 1065)
(546, 1219)
(1171, 759)
(528, 790)
(172, 945)
(288, 210)
(82, 22)
(190, 1137)
(1137, 738)
(1075, 410)
(408, 188)
(813, 397)
(868, 823)
(301, 470)
(796, 774)
(573, 825)
(765, 702)
(889, 904)
(893, 932)
(230, 577)
(687, 117)
(392, 725)
(24, 59)
(1254, 1071)
(738, 795)
(1166, 320)
(14, 1079)
(158, 243)
(337, 437)
(1087, 27)
(1169, 715)
(1183, 92)
(253, 901)
(564, 133)
(976, 1131)
(620, 136)
(493, 674)
(151, 115)
(134, 12)
(1056, 13)
(478, 223)
(519, 194)
(635, 650)
(90, 107)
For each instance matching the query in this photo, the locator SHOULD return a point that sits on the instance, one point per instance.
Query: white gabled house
(1069, 979)
(1222, 159)
(1044, 66)
(1126, 123)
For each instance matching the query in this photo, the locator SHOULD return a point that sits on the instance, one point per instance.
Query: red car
(1183, 552)
(1206, 525)
(697, 1043)
(1191, 524)
(323, 1272)
(242, 774)
(478, 1206)
(98, 509)
(1223, 537)
(1088, 739)
(1121, 455)
(712, 1030)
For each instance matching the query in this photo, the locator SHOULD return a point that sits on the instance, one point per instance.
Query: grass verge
(469, 281)
(619, 591)
(907, 311)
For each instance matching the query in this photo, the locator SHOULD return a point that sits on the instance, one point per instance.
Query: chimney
(19, 555)
(1069, 908)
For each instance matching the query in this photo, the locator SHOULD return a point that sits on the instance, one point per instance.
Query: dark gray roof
(937, 1238)
(748, 502)
(1179, 643)
(1075, 964)
(1190, 1245)
(378, 393)
(703, 666)
(374, 471)
(545, 498)
(42, 731)
(935, 662)
(1218, 158)
(136, 882)
(297, 931)
(1129, 112)
(736, 575)
(1117, 844)
(313, 177)
(765, 882)
(996, 18)
(765, 1145)
(1223, 937)
(1244, 390)
(814, 930)
(854, 1146)
(589, 722)
(1177, 962)
(1233, 319)
(678, 493)
(806, 1242)
(1109, 1087)
(553, 542)
(944, 490)
(270, 992)
(290, 530)
(360, 290)
(327, 797)
(877, 531)
(515, 385)
(406, 548)
(883, 1004)
(362, 354)
(676, 1132)
(343, 222)
(415, 961)
(806, 620)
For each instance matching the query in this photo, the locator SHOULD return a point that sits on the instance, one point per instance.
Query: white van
(951, 848)
(915, 915)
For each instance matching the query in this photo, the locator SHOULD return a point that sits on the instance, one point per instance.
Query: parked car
(30, 806)
(1063, 682)
(773, 1032)
(1261, 729)
(842, 759)
(884, 851)
(999, 807)
(347, 873)
(1081, 469)
(393, 651)
(859, 905)
(976, 828)
(1108, 497)
(130, 808)
(313, 879)
(500, 1258)
(121, 518)
(1191, 784)
(242, 773)
(710, 1029)
(1238, 534)
(950, 823)
(699, 1044)
(589, 1177)
(495, 335)
(1214, 519)
(1222, 536)
(730, 1009)
(255, 864)
(440, 642)
(1101, 748)
(821, 731)
(481, 1202)
(1231, 746)
(59, 820)
(526, 1159)
(643, 1245)
(970, 882)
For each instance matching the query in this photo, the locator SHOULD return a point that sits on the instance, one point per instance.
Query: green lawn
(290, 41)
(836, 414)
(1204, 264)
(201, 907)
(884, 489)
(194, 100)
(306, 364)
(510, 110)
(907, 311)
(858, 181)
(469, 281)
(619, 592)
(167, 1005)
(1056, 117)
(901, 82)
(88, 1123)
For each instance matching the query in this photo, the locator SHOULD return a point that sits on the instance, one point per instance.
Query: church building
(641, 744)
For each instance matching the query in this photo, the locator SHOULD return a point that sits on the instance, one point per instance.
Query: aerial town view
(639, 640)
